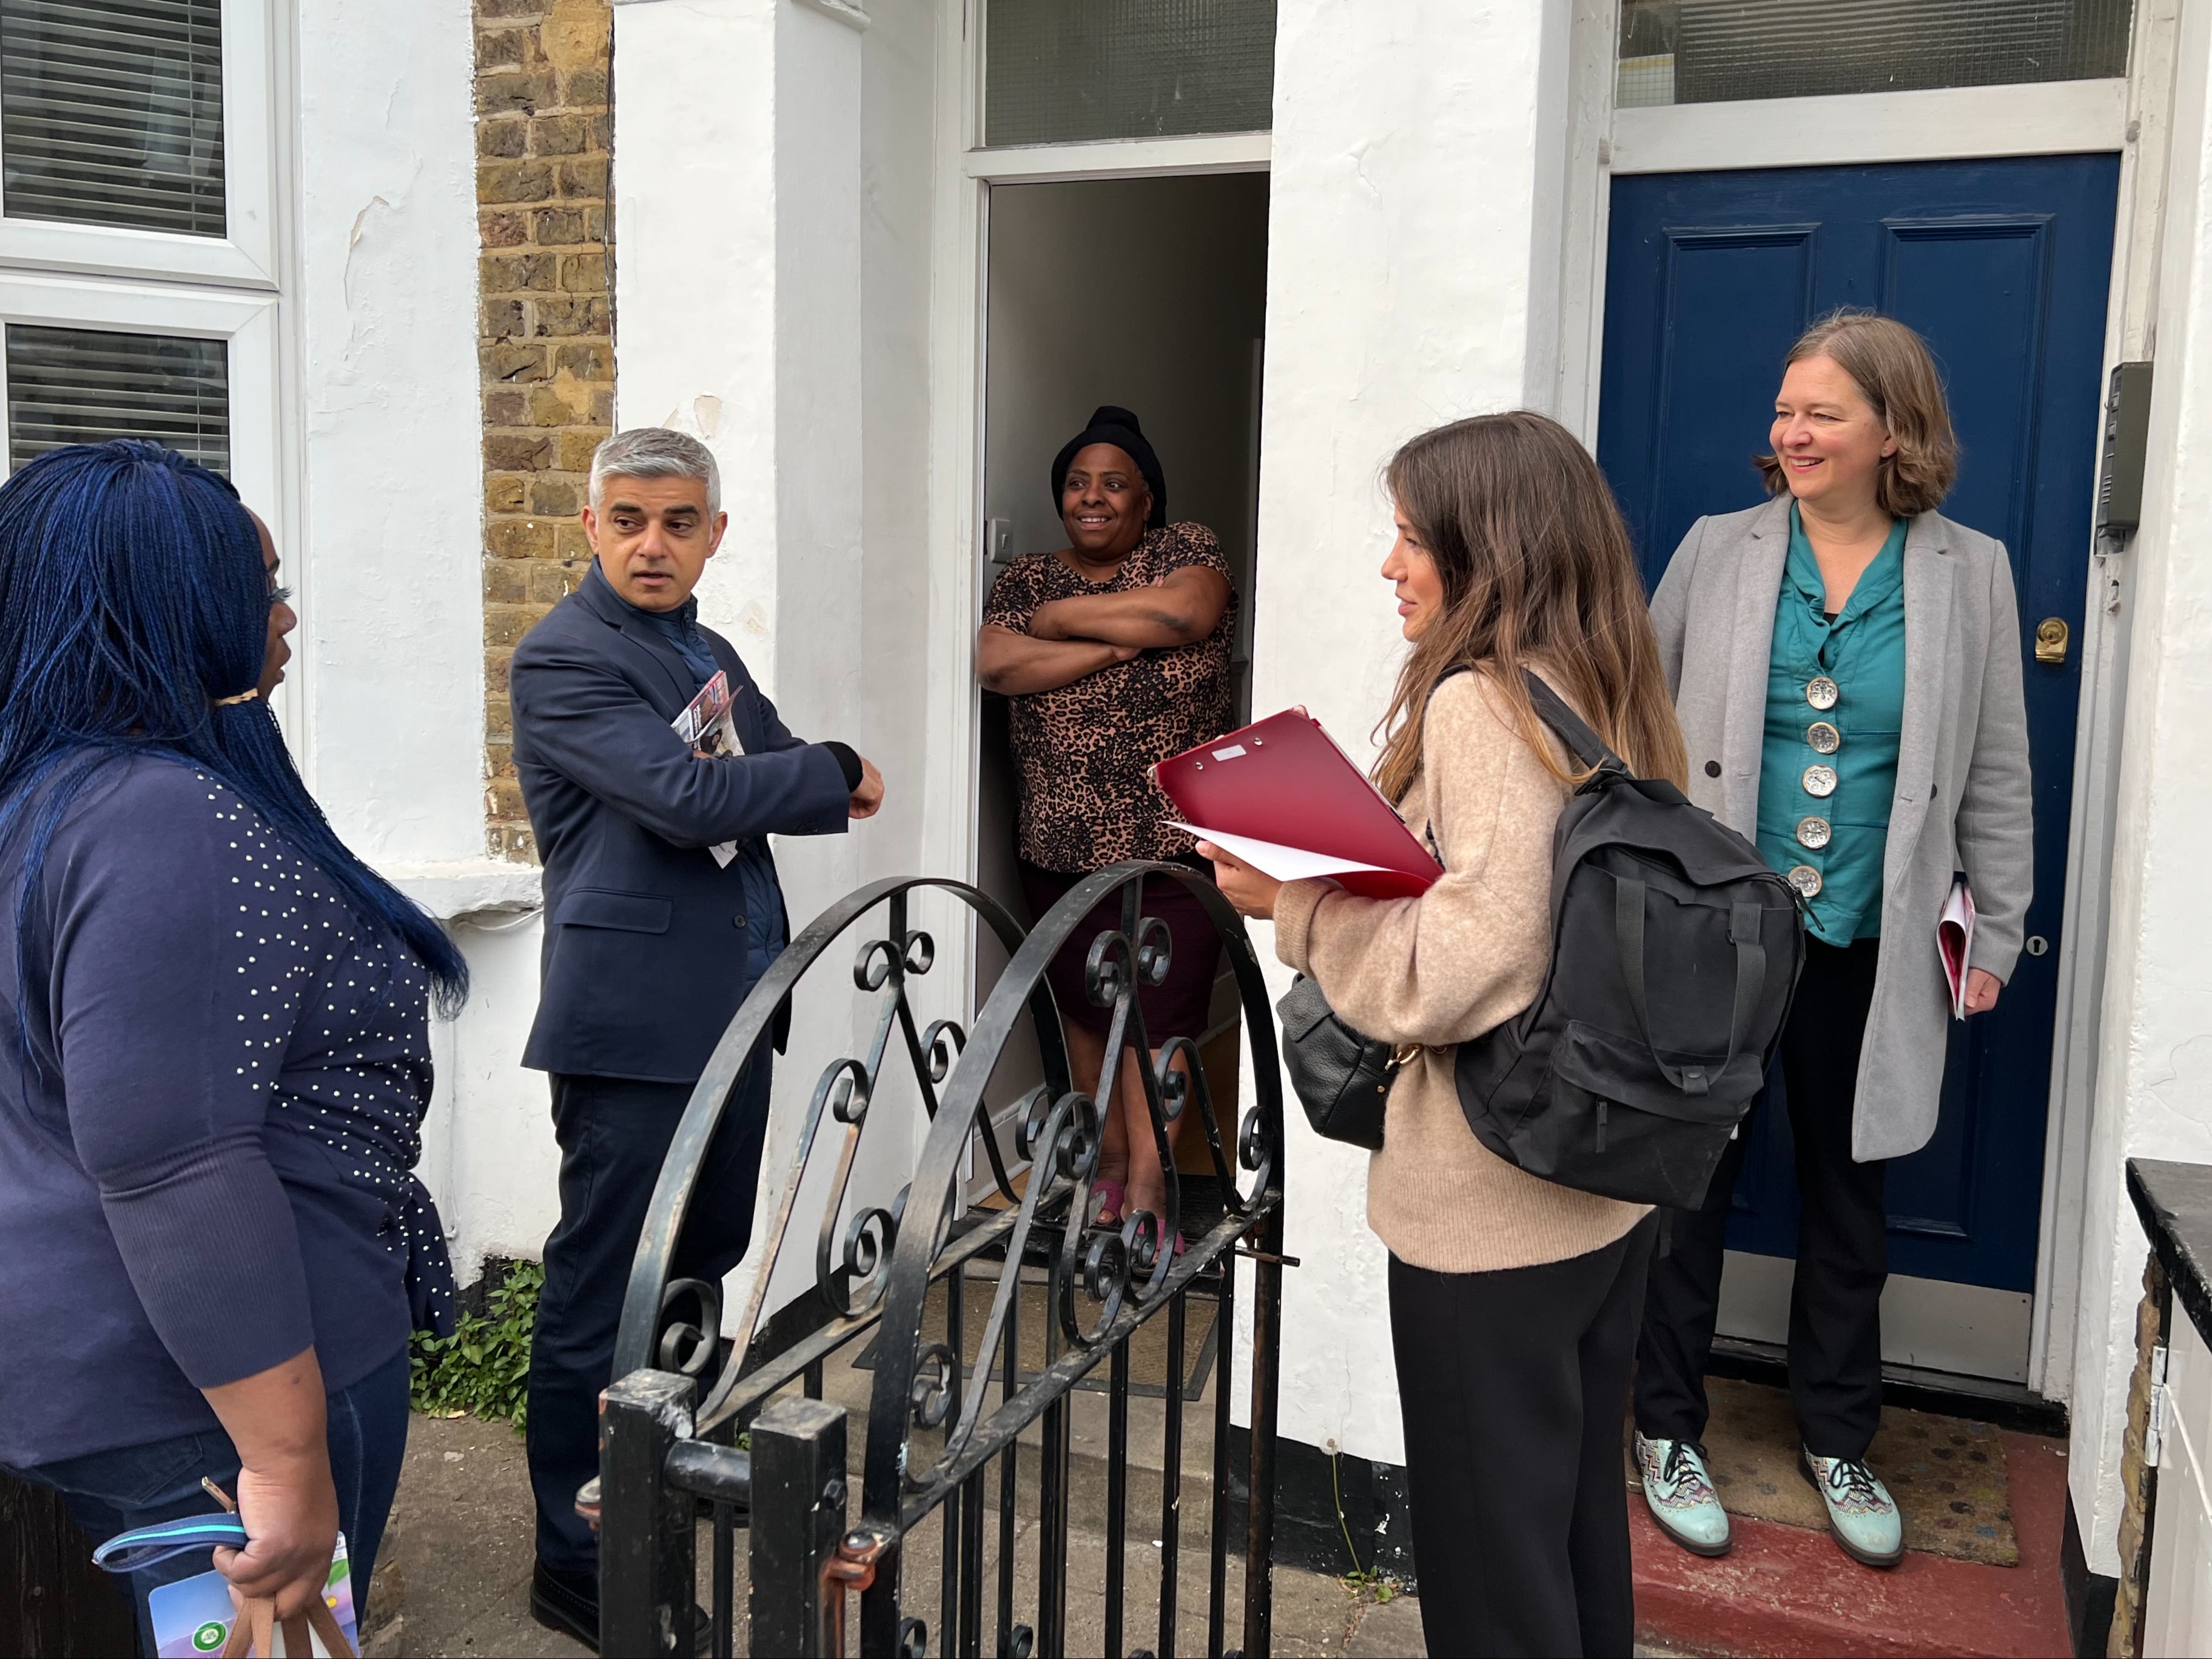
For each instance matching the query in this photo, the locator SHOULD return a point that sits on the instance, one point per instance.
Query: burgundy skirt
(1177, 1008)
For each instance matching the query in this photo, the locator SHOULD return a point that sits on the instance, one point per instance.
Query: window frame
(246, 255)
(246, 323)
(1237, 144)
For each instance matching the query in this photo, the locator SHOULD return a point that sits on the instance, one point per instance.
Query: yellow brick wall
(545, 336)
(2136, 1478)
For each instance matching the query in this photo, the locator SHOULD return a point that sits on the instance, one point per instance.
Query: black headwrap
(1117, 426)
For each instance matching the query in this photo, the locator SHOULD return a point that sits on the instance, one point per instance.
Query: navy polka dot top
(209, 1154)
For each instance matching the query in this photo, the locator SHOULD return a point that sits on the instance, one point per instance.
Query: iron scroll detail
(841, 1102)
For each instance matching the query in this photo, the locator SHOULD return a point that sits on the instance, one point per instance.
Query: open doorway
(1150, 293)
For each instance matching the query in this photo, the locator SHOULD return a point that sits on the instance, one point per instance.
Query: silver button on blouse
(1820, 781)
(1806, 879)
(1813, 833)
(1824, 737)
(1821, 693)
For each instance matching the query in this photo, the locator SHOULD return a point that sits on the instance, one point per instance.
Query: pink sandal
(1108, 1193)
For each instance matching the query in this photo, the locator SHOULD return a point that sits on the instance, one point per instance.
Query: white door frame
(959, 309)
(2130, 116)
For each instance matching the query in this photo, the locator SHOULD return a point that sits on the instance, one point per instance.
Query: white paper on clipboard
(1272, 858)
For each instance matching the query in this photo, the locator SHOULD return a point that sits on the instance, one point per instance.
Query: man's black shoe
(566, 1602)
(570, 1602)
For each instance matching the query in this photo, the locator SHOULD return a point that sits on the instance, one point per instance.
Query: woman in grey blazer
(1847, 664)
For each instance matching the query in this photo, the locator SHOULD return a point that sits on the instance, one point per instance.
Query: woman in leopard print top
(1115, 654)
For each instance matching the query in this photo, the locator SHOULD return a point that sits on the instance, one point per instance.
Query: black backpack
(1675, 949)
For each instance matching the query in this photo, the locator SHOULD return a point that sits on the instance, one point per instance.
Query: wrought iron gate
(945, 1451)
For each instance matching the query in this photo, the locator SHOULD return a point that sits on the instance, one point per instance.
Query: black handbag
(1342, 1078)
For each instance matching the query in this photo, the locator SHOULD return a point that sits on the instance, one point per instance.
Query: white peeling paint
(390, 507)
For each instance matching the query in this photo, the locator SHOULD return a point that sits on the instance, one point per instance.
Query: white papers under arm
(1273, 859)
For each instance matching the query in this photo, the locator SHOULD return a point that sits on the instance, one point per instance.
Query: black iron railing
(942, 1482)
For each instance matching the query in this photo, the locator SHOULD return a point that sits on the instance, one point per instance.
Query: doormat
(1947, 1474)
(1148, 1344)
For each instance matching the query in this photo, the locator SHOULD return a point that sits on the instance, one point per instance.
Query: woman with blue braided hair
(214, 1048)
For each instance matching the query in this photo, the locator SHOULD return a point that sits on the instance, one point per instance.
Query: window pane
(86, 385)
(110, 112)
(1060, 70)
(1710, 52)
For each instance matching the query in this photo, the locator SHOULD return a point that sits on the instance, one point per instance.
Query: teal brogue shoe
(1861, 1512)
(1681, 1493)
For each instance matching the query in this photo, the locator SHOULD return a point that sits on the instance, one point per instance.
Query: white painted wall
(390, 498)
(897, 117)
(2155, 1048)
(1411, 279)
(488, 1154)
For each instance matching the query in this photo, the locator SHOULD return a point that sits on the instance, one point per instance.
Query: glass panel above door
(1061, 71)
(111, 113)
(86, 385)
(1712, 52)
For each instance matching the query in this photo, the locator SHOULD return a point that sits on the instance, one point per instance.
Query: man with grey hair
(662, 910)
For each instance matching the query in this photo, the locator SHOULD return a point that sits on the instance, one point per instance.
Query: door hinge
(2154, 1428)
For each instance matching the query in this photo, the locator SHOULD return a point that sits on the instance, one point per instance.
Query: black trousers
(614, 1133)
(1843, 1260)
(1512, 1385)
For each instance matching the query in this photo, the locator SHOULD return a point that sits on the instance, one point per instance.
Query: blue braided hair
(133, 599)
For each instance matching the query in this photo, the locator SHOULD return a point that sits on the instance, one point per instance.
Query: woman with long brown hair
(1514, 1302)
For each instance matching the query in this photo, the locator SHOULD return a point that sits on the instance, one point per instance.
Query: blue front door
(2003, 267)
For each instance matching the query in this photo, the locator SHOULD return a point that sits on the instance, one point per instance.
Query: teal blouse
(1835, 709)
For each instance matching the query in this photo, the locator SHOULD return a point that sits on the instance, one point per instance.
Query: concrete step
(1786, 1591)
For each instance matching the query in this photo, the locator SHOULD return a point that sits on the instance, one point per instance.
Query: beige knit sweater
(1464, 957)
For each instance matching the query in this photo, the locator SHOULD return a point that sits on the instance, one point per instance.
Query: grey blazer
(1962, 775)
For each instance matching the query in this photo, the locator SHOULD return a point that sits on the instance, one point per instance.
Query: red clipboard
(1283, 787)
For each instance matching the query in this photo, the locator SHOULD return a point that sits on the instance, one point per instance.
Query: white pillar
(2154, 1062)
(737, 294)
(1412, 250)
(387, 701)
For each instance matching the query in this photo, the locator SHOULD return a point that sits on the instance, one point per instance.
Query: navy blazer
(645, 957)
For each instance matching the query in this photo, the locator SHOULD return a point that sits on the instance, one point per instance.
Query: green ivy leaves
(483, 1370)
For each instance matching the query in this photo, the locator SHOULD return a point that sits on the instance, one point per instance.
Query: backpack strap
(1750, 977)
(1586, 748)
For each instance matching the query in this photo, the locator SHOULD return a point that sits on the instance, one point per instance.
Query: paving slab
(453, 1575)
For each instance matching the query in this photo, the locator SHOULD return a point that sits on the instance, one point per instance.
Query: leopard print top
(1085, 752)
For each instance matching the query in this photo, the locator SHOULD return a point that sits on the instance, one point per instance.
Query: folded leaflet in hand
(1955, 941)
(707, 725)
